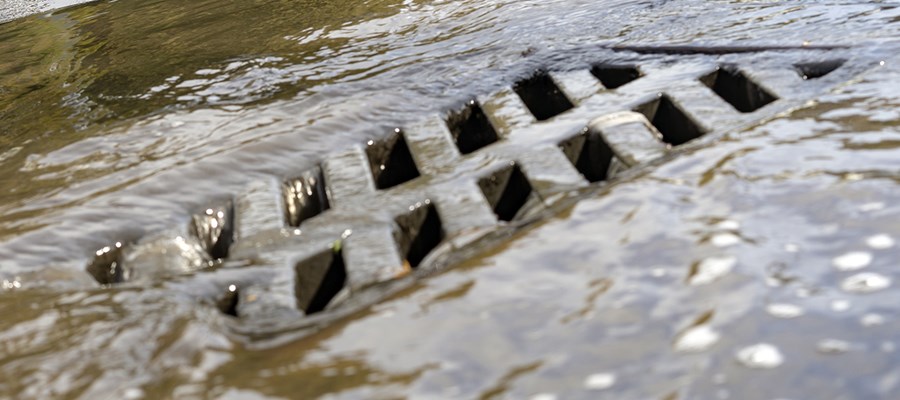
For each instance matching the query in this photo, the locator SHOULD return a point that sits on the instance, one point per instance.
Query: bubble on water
(761, 355)
(725, 239)
(866, 282)
(696, 339)
(880, 241)
(658, 272)
(784, 310)
(832, 346)
(133, 394)
(600, 381)
(729, 225)
(791, 248)
(544, 396)
(852, 261)
(873, 206)
(871, 319)
(840, 305)
(711, 269)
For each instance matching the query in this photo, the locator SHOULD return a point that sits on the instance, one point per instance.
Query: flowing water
(761, 265)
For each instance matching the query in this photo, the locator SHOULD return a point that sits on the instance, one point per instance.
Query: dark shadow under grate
(613, 76)
(421, 232)
(391, 161)
(507, 191)
(817, 69)
(590, 155)
(676, 127)
(734, 87)
(214, 228)
(106, 267)
(319, 279)
(304, 197)
(470, 128)
(542, 97)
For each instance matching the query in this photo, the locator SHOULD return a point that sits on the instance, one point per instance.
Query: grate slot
(817, 69)
(470, 128)
(613, 76)
(106, 266)
(542, 96)
(676, 127)
(228, 301)
(391, 161)
(214, 228)
(319, 279)
(507, 191)
(422, 231)
(304, 197)
(590, 155)
(734, 87)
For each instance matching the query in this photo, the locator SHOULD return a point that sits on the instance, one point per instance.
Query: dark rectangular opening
(470, 128)
(735, 88)
(421, 231)
(590, 155)
(676, 127)
(507, 191)
(106, 266)
(228, 301)
(214, 228)
(613, 76)
(304, 197)
(319, 279)
(542, 97)
(391, 161)
(815, 70)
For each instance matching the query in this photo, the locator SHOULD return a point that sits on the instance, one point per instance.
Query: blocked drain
(338, 235)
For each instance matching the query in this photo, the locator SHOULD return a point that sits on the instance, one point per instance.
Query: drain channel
(363, 225)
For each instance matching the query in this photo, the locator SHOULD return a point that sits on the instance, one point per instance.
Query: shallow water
(731, 271)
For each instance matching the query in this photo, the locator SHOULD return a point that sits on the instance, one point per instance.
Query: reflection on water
(760, 266)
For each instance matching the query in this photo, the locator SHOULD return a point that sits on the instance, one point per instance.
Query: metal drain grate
(411, 202)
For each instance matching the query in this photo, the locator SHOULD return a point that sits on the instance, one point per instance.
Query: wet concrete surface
(758, 265)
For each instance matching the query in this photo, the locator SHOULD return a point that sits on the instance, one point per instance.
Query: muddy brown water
(760, 266)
